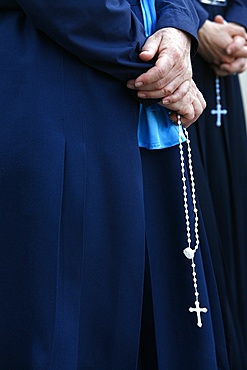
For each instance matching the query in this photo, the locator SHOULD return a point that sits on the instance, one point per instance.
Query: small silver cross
(219, 112)
(198, 311)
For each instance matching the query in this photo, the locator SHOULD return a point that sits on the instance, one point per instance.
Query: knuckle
(167, 91)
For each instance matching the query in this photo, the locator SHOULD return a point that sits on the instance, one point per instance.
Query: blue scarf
(155, 129)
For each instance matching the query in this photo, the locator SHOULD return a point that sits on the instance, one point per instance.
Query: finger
(187, 115)
(245, 66)
(236, 46)
(151, 46)
(155, 76)
(152, 88)
(219, 19)
(242, 53)
(237, 66)
(218, 71)
(183, 107)
(190, 108)
(194, 113)
(165, 85)
(199, 105)
(202, 101)
(178, 94)
(171, 92)
(156, 89)
(235, 29)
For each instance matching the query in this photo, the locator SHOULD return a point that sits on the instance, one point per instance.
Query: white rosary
(190, 252)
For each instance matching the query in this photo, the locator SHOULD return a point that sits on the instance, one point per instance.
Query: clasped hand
(170, 79)
(224, 46)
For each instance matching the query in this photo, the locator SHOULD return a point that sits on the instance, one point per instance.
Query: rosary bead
(189, 252)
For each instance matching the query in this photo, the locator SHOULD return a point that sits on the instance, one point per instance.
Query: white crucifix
(198, 311)
(218, 111)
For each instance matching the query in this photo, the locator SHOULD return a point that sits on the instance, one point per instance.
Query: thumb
(150, 48)
(219, 19)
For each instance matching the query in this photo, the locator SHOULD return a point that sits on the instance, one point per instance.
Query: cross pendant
(218, 111)
(198, 311)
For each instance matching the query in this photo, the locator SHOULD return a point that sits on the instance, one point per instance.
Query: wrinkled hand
(223, 46)
(172, 69)
(190, 107)
(239, 65)
(171, 77)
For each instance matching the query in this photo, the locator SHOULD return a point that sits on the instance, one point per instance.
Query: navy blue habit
(220, 163)
(85, 218)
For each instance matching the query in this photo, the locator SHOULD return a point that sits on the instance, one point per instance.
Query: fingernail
(138, 84)
(141, 95)
(165, 101)
(144, 52)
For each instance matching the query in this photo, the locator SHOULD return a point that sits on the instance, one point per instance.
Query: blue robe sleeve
(179, 14)
(106, 35)
(201, 12)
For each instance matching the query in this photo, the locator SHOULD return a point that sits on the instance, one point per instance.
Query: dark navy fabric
(180, 343)
(220, 161)
(72, 219)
